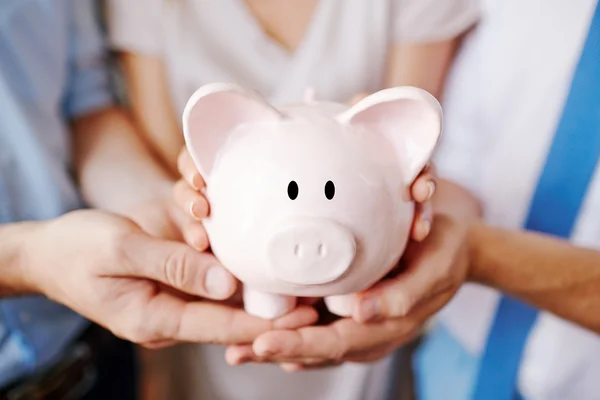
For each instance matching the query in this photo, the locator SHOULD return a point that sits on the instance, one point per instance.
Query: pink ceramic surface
(309, 199)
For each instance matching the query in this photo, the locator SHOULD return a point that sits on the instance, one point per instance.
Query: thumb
(399, 295)
(393, 298)
(176, 265)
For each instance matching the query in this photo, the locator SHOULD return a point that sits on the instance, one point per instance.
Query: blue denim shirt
(51, 70)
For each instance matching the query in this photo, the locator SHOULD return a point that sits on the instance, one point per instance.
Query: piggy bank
(311, 199)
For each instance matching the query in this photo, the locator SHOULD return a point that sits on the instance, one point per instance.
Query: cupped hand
(145, 289)
(392, 312)
(385, 317)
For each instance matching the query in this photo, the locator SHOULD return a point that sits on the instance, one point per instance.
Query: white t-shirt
(344, 52)
(503, 101)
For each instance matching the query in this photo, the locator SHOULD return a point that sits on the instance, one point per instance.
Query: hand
(142, 288)
(191, 202)
(386, 316)
(189, 199)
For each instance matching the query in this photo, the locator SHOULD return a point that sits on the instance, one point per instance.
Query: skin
(422, 65)
(544, 271)
(459, 248)
(146, 288)
(393, 311)
(119, 173)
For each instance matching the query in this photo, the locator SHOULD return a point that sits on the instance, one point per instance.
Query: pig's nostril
(322, 250)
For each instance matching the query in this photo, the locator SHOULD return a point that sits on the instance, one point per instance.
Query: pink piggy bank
(309, 200)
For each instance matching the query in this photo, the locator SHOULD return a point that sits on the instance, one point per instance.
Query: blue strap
(562, 186)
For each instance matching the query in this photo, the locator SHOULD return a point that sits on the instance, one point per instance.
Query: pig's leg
(267, 305)
(341, 305)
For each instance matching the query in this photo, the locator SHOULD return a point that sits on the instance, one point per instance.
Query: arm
(12, 258)
(151, 105)
(135, 31)
(547, 272)
(423, 65)
(114, 167)
(116, 170)
(427, 34)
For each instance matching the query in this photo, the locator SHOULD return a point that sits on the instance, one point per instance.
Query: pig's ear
(409, 118)
(211, 115)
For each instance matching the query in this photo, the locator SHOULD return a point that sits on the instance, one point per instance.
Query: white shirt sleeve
(433, 20)
(135, 25)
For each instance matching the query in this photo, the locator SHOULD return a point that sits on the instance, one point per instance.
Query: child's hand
(421, 191)
(189, 198)
(191, 201)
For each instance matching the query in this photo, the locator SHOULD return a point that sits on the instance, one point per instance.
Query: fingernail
(194, 210)
(194, 181)
(431, 186)
(218, 282)
(369, 309)
(261, 350)
(426, 227)
(288, 367)
(426, 217)
(197, 243)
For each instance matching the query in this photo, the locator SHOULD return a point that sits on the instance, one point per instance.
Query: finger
(176, 265)
(291, 367)
(237, 355)
(331, 342)
(349, 341)
(425, 277)
(395, 297)
(240, 354)
(422, 221)
(215, 323)
(148, 315)
(423, 187)
(195, 235)
(309, 365)
(372, 355)
(190, 201)
(159, 344)
(188, 170)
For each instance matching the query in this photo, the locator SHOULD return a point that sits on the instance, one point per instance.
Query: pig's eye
(293, 190)
(329, 190)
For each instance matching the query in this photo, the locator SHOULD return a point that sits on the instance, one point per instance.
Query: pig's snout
(311, 251)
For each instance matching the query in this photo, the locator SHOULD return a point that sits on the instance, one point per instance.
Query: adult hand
(387, 315)
(142, 288)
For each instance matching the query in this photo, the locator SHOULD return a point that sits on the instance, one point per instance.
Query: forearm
(452, 200)
(546, 272)
(115, 169)
(152, 107)
(423, 65)
(13, 258)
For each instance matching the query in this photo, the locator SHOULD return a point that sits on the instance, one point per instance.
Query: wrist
(17, 240)
(477, 271)
(160, 191)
